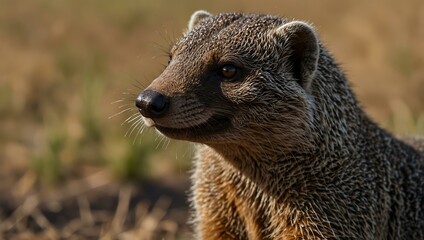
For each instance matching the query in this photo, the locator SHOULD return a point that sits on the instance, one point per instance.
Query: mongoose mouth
(213, 125)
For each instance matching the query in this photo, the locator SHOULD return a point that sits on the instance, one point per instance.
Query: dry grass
(62, 63)
(95, 208)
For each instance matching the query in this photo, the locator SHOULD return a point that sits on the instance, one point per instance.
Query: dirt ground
(96, 208)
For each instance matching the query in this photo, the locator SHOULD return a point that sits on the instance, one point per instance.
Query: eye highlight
(228, 72)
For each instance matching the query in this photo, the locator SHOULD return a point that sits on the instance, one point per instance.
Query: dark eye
(228, 71)
(169, 59)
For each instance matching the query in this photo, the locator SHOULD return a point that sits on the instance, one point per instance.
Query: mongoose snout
(152, 104)
(178, 115)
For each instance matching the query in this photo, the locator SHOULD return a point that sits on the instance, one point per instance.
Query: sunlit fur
(300, 159)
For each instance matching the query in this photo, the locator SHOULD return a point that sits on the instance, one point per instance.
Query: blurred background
(71, 168)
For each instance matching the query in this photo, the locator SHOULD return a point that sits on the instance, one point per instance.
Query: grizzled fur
(285, 151)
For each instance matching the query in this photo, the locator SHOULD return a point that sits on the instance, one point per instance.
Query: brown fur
(285, 151)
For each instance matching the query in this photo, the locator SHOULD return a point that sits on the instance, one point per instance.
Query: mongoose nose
(152, 104)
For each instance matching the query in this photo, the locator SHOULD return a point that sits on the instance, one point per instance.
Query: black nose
(152, 104)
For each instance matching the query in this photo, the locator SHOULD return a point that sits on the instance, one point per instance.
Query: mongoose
(284, 149)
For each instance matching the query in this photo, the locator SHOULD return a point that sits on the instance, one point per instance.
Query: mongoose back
(284, 149)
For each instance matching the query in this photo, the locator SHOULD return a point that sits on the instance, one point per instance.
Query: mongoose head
(236, 78)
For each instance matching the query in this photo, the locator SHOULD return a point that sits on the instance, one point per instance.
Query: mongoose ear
(196, 18)
(300, 49)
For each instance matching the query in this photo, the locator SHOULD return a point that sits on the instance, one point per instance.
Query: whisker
(133, 127)
(131, 118)
(160, 141)
(140, 131)
(124, 105)
(167, 141)
(118, 101)
(128, 93)
(139, 85)
(116, 114)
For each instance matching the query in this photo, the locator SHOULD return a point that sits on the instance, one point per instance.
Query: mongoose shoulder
(284, 149)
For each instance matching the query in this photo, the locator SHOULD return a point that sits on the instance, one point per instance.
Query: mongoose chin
(213, 125)
(286, 151)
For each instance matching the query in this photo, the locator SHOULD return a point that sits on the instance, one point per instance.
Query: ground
(97, 208)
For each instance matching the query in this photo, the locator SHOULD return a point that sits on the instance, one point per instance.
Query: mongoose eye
(169, 59)
(228, 71)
